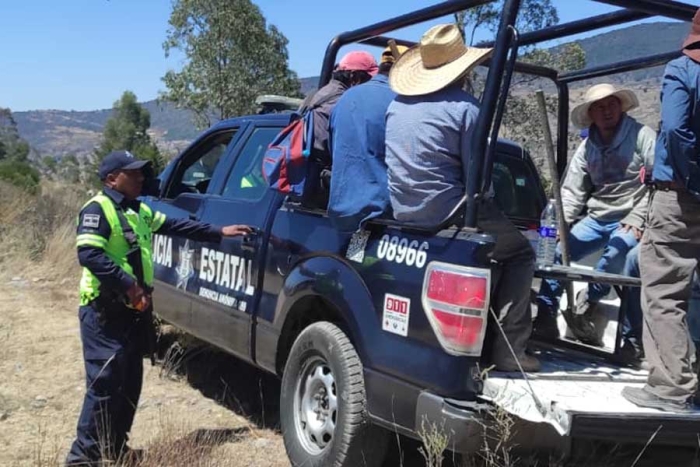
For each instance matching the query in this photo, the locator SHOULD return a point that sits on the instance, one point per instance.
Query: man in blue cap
(114, 249)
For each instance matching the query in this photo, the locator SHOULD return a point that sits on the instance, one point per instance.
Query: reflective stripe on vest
(116, 247)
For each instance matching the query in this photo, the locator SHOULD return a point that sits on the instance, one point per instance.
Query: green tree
(521, 120)
(127, 130)
(20, 174)
(49, 165)
(69, 169)
(15, 166)
(232, 56)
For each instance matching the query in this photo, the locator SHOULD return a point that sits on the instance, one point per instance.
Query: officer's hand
(138, 297)
(236, 230)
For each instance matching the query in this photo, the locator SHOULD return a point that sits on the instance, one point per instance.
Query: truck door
(190, 177)
(228, 288)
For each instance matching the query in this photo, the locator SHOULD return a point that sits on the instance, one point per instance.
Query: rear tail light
(456, 302)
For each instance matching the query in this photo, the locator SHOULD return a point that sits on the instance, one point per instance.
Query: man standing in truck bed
(602, 178)
(428, 136)
(670, 248)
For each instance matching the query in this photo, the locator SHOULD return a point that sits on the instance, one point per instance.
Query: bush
(20, 174)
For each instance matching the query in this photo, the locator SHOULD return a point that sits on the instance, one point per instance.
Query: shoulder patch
(91, 221)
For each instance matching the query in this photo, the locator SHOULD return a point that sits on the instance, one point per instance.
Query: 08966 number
(403, 251)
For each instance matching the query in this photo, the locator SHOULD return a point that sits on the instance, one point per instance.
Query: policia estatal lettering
(114, 248)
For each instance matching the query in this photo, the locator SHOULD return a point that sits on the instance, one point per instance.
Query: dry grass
(38, 232)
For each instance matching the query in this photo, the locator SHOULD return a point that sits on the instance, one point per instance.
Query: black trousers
(113, 349)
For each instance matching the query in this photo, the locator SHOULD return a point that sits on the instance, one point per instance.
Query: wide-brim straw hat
(580, 117)
(692, 41)
(439, 60)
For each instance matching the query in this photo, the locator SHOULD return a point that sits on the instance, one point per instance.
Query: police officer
(114, 293)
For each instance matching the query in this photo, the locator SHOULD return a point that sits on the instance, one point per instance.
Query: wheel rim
(315, 405)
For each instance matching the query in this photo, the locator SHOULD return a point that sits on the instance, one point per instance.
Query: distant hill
(59, 132)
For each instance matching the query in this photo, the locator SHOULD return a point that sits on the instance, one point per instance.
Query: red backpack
(286, 166)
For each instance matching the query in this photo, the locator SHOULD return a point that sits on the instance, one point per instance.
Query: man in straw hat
(602, 178)
(358, 184)
(428, 135)
(670, 247)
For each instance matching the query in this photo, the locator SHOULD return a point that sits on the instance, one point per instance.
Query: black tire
(323, 363)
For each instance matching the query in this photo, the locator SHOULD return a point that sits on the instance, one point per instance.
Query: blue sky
(82, 54)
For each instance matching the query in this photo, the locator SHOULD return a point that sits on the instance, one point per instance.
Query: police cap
(119, 160)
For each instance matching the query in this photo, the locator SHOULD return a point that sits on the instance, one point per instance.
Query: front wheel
(323, 403)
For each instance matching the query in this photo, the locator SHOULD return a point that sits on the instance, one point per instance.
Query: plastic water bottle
(547, 243)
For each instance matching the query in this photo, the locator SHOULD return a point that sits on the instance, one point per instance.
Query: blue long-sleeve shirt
(96, 260)
(359, 189)
(677, 151)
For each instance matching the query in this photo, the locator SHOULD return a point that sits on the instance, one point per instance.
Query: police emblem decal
(91, 221)
(184, 269)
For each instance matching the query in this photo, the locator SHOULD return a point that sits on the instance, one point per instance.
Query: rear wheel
(323, 403)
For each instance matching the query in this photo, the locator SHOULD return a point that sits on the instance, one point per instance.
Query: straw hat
(690, 45)
(579, 116)
(439, 60)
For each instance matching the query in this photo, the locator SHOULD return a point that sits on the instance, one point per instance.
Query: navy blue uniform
(114, 339)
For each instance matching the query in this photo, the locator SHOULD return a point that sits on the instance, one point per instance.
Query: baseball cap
(119, 160)
(358, 61)
(388, 57)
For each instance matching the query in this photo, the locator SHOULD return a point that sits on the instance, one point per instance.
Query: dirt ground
(199, 407)
(42, 385)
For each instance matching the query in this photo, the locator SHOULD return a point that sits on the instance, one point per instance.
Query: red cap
(358, 61)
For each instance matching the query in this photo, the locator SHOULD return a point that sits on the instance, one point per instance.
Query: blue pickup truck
(368, 331)
(362, 328)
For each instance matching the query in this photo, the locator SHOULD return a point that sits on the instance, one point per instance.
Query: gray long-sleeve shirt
(605, 179)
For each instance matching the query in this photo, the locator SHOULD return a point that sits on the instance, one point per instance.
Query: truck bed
(581, 396)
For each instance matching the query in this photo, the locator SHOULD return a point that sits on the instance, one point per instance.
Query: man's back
(427, 141)
(359, 182)
(677, 148)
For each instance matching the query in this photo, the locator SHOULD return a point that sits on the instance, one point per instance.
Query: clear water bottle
(547, 243)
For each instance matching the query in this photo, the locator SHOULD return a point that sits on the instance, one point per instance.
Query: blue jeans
(634, 320)
(586, 237)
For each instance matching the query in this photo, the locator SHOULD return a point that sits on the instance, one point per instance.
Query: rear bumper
(670, 429)
(461, 421)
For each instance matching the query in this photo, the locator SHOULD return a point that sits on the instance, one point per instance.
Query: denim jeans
(586, 237)
(634, 320)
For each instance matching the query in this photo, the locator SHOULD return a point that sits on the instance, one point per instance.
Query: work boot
(529, 364)
(545, 325)
(579, 320)
(631, 353)
(642, 398)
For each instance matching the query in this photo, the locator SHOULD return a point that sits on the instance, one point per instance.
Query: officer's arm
(91, 241)
(198, 231)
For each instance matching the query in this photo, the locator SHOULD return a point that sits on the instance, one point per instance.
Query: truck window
(246, 182)
(196, 167)
(516, 187)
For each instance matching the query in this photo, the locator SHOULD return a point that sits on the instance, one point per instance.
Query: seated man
(354, 68)
(603, 177)
(429, 131)
(358, 185)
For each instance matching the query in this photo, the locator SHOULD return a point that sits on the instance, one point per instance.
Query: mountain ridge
(59, 132)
